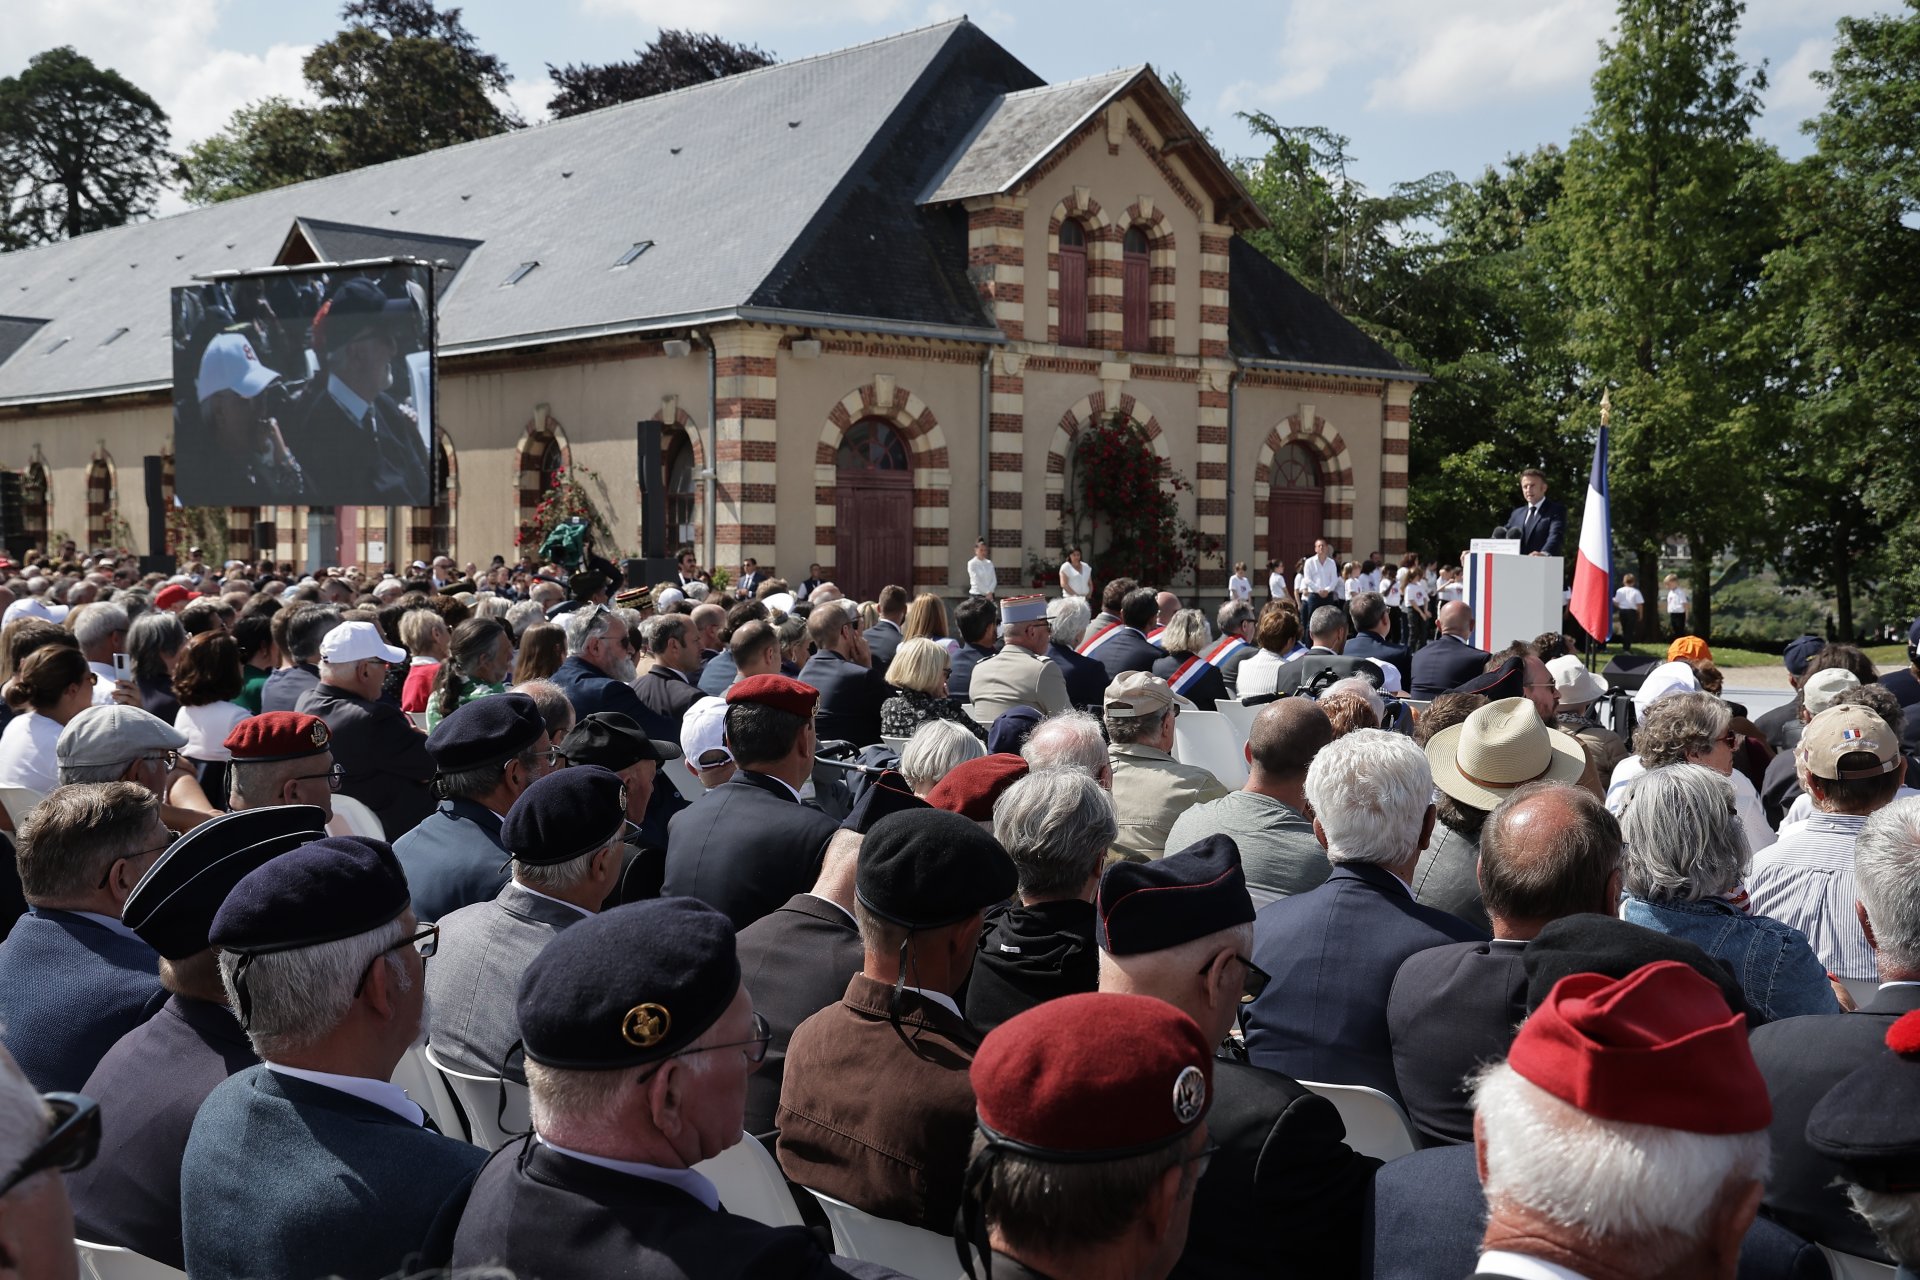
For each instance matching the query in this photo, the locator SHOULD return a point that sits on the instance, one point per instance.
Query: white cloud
(1791, 87)
(743, 15)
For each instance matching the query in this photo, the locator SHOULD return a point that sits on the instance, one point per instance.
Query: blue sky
(1418, 85)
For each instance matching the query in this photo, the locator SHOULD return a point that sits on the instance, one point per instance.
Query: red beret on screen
(970, 789)
(278, 735)
(1097, 1076)
(172, 594)
(1657, 1047)
(782, 692)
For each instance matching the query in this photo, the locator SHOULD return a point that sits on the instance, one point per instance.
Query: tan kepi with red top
(1498, 748)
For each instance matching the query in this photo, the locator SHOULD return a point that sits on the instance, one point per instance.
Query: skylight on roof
(520, 273)
(117, 333)
(58, 343)
(632, 255)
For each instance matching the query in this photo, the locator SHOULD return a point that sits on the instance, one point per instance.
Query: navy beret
(323, 891)
(566, 815)
(928, 868)
(173, 906)
(888, 794)
(1010, 730)
(1869, 1123)
(611, 739)
(489, 730)
(1151, 906)
(629, 986)
(1606, 945)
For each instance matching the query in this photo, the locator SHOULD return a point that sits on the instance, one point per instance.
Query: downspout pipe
(713, 451)
(1233, 416)
(986, 428)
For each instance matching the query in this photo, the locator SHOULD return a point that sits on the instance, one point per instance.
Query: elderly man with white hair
(1333, 950)
(936, 749)
(1073, 740)
(1086, 678)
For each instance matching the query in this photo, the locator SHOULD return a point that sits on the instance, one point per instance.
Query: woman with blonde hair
(918, 673)
(1185, 638)
(425, 636)
(927, 620)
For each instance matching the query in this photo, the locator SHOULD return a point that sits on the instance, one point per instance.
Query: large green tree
(674, 60)
(81, 148)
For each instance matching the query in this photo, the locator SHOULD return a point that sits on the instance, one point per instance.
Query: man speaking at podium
(1539, 523)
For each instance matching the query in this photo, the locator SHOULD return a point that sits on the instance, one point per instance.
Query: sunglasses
(1253, 984)
(71, 1144)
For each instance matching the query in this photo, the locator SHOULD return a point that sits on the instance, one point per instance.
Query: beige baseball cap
(1840, 732)
(1137, 694)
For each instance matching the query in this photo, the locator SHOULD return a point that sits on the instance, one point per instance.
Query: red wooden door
(1135, 284)
(873, 511)
(1073, 284)
(1294, 512)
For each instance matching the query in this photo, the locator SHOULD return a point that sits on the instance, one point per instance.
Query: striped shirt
(1805, 879)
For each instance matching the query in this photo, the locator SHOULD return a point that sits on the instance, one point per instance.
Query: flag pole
(1593, 567)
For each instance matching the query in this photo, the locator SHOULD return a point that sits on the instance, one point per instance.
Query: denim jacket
(1774, 963)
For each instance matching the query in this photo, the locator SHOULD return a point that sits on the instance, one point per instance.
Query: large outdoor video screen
(309, 388)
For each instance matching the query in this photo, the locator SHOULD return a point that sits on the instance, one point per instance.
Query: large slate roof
(1273, 317)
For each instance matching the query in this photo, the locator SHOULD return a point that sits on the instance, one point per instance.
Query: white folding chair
(356, 818)
(1204, 738)
(1376, 1126)
(683, 780)
(895, 745)
(479, 1098)
(1851, 1266)
(907, 1249)
(419, 719)
(751, 1184)
(1238, 715)
(111, 1262)
(19, 802)
(417, 1074)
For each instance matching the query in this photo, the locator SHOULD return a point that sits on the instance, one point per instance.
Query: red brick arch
(1336, 480)
(1082, 415)
(909, 414)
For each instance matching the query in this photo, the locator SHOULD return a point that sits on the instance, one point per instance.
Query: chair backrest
(683, 779)
(417, 1074)
(419, 719)
(19, 802)
(907, 1249)
(111, 1262)
(1376, 1126)
(1205, 739)
(1861, 990)
(895, 745)
(1848, 1266)
(360, 820)
(479, 1099)
(751, 1184)
(1239, 717)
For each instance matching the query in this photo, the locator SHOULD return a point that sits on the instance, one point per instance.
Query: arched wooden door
(1294, 515)
(873, 514)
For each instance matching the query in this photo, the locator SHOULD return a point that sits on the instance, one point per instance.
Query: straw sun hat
(1499, 748)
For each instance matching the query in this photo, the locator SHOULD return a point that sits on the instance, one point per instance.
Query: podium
(1513, 597)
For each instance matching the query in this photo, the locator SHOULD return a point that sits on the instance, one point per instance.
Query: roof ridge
(1117, 72)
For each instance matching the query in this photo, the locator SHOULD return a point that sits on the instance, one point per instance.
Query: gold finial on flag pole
(1606, 407)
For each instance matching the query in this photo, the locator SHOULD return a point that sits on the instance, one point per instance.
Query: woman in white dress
(53, 685)
(1076, 575)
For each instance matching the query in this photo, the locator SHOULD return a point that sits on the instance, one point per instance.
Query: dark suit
(960, 676)
(883, 638)
(1208, 688)
(1229, 667)
(385, 757)
(1127, 649)
(850, 698)
(346, 462)
(1028, 955)
(475, 974)
(1426, 1216)
(667, 695)
(745, 847)
(285, 1177)
(590, 689)
(1544, 531)
(536, 1212)
(1368, 645)
(70, 987)
(1452, 1009)
(283, 688)
(1446, 663)
(1333, 953)
(1283, 1163)
(149, 1087)
(718, 674)
(1086, 678)
(795, 962)
(453, 859)
(1801, 1059)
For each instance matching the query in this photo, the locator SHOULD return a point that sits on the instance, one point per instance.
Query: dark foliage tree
(674, 60)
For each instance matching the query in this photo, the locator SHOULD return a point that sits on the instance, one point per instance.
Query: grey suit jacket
(475, 974)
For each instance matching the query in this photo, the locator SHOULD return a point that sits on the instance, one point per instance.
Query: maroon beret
(278, 735)
(971, 789)
(1095, 1076)
(172, 594)
(782, 692)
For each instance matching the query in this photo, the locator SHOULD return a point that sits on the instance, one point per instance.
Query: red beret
(1657, 1047)
(971, 789)
(278, 735)
(1092, 1076)
(172, 594)
(782, 692)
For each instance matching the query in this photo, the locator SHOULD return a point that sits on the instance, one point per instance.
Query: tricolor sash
(1098, 638)
(1224, 649)
(1153, 637)
(1189, 674)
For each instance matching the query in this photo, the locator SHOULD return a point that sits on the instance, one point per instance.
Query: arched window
(1073, 284)
(549, 461)
(873, 510)
(1136, 279)
(681, 500)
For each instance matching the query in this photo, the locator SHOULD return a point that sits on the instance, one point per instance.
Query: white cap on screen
(231, 365)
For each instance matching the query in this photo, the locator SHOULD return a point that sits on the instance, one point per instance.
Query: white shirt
(381, 1093)
(981, 578)
(26, 752)
(1802, 807)
(352, 405)
(114, 923)
(1322, 576)
(1277, 584)
(836, 906)
(1499, 1262)
(1079, 581)
(1628, 598)
(938, 997)
(1677, 600)
(1452, 591)
(690, 1181)
(103, 685)
(207, 728)
(524, 888)
(1416, 594)
(1239, 588)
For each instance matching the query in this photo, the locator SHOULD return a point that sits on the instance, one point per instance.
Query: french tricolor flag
(1592, 604)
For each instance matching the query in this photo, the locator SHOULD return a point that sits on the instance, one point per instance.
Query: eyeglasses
(334, 776)
(108, 874)
(754, 1050)
(426, 942)
(1253, 984)
(167, 758)
(71, 1144)
(1202, 1158)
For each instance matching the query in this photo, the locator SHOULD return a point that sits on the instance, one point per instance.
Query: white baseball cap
(230, 365)
(704, 730)
(357, 642)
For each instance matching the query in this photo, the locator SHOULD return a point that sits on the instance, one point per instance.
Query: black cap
(628, 986)
(486, 731)
(928, 868)
(1150, 906)
(587, 583)
(358, 307)
(889, 794)
(1508, 680)
(612, 740)
(1869, 1123)
(567, 815)
(323, 891)
(173, 906)
(1613, 948)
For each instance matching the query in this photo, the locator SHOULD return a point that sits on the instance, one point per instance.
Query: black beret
(323, 891)
(928, 868)
(612, 740)
(489, 730)
(566, 815)
(1151, 906)
(889, 794)
(1869, 1123)
(628, 986)
(587, 583)
(1613, 948)
(173, 906)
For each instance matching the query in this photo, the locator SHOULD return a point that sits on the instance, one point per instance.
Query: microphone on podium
(1502, 533)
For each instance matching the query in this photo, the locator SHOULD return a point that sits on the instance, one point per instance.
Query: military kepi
(567, 815)
(173, 906)
(1015, 610)
(1151, 906)
(928, 868)
(629, 986)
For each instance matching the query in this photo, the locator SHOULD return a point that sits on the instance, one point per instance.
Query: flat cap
(278, 735)
(487, 731)
(629, 986)
(111, 734)
(173, 906)
(612, 740)
(1151, 906)
(970, 789)
(782, 692)
(888, 794)
(323, 891)
(928, 868)
(1593, 943)
(567, 815)
(1869, 1123)
(1092, 1077)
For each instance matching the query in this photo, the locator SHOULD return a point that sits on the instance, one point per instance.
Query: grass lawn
(1882, 655)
